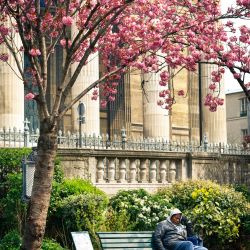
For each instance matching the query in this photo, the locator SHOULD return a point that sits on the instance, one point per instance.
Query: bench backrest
(126, 240)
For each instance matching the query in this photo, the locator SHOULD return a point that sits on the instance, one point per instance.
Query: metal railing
(17, 138)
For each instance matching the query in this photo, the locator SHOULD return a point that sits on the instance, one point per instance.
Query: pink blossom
(4, 57)
(103, 103)
(29, 96)
(63, 42)
(180, 93)
(34, 52)
(67, 20)
(237, 75)
(212, 87)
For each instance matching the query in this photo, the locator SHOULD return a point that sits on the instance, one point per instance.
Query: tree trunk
(40, 198)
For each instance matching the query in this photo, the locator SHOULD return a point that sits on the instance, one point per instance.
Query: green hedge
(10, 162)
(13, 240)
(143, 210)
(76, 205)
(215, 210)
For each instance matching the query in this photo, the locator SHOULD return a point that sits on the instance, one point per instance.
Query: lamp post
(28, 168)
(81, 118)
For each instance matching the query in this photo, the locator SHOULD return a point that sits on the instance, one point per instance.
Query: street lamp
(28, 168)
(81, 119)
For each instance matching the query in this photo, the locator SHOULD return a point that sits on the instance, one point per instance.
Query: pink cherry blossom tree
(150, 35)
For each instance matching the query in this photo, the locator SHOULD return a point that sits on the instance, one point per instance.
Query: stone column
(213, 123)
(88, 75)
(12, 90)
(155, 118)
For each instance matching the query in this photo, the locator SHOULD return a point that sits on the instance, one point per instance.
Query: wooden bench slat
(128, 235)
(125, 248)
(140, 240)
(124, 240)
(127, 244)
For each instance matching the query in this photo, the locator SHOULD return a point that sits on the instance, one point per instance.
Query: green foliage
(214, 209)
(10, 162)
(11, 241)
(58, 172)
(75, 205)
(13, 210)
(69, 187)
(243, 189)
(144, 210)
(82, 212)
(49, 244)
(117, 221)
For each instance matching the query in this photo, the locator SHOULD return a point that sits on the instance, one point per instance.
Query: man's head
(175, 216)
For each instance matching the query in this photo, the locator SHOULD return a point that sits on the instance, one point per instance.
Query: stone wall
(112, 170)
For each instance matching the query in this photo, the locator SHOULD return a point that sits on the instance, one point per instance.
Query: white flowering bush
(143, 210)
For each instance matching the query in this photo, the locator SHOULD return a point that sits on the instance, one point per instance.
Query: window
(243, 107)
(244, 132)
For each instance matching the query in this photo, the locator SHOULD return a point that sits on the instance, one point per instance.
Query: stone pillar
(155, 118)
(213, 123)
(12, 90)
(88, 75)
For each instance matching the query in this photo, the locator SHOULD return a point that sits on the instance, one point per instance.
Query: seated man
(191, 235)
(170, 234)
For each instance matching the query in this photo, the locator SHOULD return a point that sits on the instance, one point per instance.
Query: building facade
(134, 109)
(237, 116)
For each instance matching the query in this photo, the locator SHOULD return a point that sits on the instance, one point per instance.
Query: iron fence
(17, 138)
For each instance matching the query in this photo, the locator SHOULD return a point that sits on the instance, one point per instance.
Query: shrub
(13, 241)
(144, 210)
(75, 205)
(214, 209)
(10, 162)
(50, 244)
(13, 209)
(117, 221)
(69, 187)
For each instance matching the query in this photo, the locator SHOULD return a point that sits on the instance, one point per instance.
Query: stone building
(135, 107)
(237, 116)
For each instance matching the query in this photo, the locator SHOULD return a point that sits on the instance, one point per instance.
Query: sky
(231, 84)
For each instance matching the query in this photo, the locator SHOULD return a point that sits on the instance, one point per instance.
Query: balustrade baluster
(100, 171)
(152, 171)
(111, 170)
(163, 172)
(132, 172)
(122, 171)
(172, 171)
(143, 171)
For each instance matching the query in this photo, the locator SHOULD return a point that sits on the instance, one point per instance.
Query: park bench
(126, 240)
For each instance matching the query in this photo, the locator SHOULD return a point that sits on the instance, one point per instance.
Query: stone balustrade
(112, 170)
